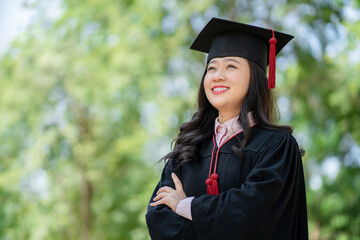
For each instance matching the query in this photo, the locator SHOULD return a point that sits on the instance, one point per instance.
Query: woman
(233, 173)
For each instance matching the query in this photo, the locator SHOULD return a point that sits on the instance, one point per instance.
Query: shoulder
(262, 138)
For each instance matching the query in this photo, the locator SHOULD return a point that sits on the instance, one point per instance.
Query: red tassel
(272, 61)
(208, 188)
(212, 185)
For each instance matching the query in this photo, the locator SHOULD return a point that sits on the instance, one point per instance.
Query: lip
(225, 88)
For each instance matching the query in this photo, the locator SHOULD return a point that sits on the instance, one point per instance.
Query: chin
(216, 104)
(218, 107)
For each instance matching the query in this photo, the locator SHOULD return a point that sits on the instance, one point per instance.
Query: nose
(219, 75)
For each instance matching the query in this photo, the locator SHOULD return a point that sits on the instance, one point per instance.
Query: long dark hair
(200, 128)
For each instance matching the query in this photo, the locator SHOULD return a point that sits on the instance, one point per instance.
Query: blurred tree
(325, 89)
(91, 100)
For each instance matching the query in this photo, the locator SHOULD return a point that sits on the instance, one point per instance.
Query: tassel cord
(272, 61)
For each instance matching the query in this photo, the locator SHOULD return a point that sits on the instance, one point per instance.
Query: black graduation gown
(262, 194)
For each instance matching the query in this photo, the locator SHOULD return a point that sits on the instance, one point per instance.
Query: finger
(153, 204)
(160, 196)
(177, 182)
(165, 189)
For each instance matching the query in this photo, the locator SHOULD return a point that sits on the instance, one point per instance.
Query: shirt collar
(232, 125)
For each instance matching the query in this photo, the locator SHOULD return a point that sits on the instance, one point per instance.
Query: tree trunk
(85, 207)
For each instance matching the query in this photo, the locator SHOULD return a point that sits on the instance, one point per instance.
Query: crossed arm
(169, 196)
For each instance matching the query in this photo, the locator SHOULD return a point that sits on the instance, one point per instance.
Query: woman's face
(226, 84)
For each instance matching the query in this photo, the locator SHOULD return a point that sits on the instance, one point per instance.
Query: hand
(169, 196)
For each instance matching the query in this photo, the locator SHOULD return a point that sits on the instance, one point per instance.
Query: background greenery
(90, 101)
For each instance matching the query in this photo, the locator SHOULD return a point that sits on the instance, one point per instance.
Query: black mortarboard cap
(221, 38)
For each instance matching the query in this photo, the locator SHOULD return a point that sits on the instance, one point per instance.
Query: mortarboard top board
(221, 38)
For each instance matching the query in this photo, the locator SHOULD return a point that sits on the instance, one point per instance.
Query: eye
(210, 68)
(231, 66)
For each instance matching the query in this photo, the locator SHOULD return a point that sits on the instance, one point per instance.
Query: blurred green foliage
(90, 101)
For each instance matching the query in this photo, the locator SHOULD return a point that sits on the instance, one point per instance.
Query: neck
(223, 117)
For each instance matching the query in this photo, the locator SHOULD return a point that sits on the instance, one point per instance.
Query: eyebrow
(227, 60)
(212, 61)
(232, 60)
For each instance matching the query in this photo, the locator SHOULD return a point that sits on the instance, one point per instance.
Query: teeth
(220, 89)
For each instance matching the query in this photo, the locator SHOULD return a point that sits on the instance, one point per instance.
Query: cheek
(207, 85)
(247, 85)
(206, 81)
(245, 82)
(247, 77)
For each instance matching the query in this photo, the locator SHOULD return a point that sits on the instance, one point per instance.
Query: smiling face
(226, 84)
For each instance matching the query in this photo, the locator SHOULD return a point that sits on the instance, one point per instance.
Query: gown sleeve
(162, 222)
(268, 205)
